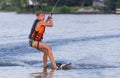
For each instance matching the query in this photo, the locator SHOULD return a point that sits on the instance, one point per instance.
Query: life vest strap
(37, 44)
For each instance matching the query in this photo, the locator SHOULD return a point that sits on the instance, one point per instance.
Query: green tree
(110, 5)
(85, 2)
(118, 4)
(71, 2)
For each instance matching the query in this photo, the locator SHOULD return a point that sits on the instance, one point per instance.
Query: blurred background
(64, 6)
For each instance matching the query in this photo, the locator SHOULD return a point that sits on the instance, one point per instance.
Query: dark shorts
(31, 42)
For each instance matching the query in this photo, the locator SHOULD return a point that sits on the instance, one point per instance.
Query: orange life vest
(37, 35)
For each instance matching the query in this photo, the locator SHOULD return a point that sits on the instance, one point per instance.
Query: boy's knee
(49, 48)
(45, 54)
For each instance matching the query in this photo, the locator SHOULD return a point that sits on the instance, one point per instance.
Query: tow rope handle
(53, 9)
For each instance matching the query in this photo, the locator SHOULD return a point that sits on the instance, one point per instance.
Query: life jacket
(37, 35)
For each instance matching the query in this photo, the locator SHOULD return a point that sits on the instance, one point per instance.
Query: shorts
(31, 41)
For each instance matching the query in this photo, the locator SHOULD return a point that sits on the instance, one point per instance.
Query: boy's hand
(50, 15)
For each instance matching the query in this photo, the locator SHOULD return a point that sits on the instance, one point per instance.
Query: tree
(70, 2)
(86, 2)
(110, 5)
(118, 4)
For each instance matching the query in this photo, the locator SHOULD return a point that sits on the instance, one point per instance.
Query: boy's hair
(39, 12)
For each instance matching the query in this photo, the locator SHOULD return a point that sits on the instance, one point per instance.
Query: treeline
(23, 5)
(71, 2)
(12, 5)
(64, 6)
(111, 5)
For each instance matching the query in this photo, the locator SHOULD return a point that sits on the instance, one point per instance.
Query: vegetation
(64, 6)
(111, 5)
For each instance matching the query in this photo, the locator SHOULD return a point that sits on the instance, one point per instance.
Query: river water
(90, 42)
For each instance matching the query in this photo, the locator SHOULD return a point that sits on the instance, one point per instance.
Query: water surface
(90, 42)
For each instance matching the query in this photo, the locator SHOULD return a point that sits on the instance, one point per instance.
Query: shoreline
(60, 13)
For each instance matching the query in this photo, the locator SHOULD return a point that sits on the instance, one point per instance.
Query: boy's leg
(44, 58)
(47, 50)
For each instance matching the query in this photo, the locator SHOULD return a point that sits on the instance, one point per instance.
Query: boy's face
(41, 17)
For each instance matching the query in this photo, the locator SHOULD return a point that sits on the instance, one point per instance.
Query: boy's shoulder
(40, 22)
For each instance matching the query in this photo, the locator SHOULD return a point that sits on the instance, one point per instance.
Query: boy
(36, 36)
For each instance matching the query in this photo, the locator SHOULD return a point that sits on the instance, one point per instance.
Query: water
(90, 42)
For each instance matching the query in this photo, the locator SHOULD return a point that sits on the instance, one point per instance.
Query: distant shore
(63, 10)
(56, 13)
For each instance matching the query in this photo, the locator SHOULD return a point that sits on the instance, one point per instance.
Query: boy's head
(40, 15)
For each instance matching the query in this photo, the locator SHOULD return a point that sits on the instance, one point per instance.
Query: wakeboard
(61, 66)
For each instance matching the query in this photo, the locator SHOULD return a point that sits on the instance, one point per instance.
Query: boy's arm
(48, 22)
